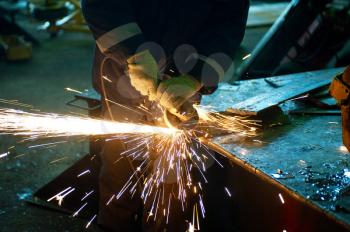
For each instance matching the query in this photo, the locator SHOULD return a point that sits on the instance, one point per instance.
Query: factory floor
(57, 63)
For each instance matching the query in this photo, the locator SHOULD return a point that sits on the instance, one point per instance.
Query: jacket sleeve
(223, 34)
(112, 24)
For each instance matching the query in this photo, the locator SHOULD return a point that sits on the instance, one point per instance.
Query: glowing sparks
(84, 173)
(61, 195)
(91, 220)
(227, 123)
(87, 195)
(228, 192)
(80, 209)
(73, 90)
(58, 160)
(54, 125)
(281, 198)
(106, 78)
(167, 155)
(46, 144)
(110, 199)
(4, 155)
(15, 103)
(246, 56)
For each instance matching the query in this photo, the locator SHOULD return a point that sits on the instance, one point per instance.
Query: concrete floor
(57, 63)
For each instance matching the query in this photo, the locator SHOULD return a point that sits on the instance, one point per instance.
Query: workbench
(305, 156)
(294, 176)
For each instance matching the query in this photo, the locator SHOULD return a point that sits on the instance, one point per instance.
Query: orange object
(340, 90)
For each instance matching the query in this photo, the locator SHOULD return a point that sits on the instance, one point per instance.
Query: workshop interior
(164, 115)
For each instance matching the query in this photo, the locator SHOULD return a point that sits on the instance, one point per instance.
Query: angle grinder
(186, 117)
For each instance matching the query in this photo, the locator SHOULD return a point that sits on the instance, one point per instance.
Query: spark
(91, 220)
(123, 106)
(46, 144)
(110, 199)
(20, 155)
(15, 103)
(57, 160)
(80, 209)
(61, 195)
(4, 155)
(106, 78)
(281, 198)
(87, 195)
(168, 155)
(73, 90)
(84, 172)
(228, 123)
(228, 192)
(246, 56)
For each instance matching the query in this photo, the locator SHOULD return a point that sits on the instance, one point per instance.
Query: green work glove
(174, 92)
(143, 70)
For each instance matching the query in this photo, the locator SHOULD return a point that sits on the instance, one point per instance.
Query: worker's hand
(143, 70)
(173, 93)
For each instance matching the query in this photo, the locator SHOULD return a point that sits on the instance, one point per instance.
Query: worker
(164, 51)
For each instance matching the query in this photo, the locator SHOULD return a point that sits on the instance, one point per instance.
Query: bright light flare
(169, 155)
(23, 123)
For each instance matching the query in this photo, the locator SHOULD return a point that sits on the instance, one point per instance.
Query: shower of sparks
(166, 156)
(228, 123)
(167, 161)
(35, 125)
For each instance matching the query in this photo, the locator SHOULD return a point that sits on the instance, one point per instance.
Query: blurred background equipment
(16, 48)
(59, 15)
(308, 35)
(9, 10)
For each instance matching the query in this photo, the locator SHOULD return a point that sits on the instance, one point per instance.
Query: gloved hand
(174, 92)
(143, 70)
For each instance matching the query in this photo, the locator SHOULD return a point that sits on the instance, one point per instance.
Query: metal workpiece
(294, 175)
(304, 157)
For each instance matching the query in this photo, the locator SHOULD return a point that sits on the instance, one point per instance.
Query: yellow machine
(59, 15)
